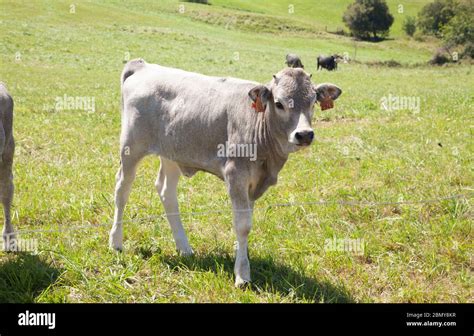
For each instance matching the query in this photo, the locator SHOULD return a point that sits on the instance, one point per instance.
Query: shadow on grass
(23, 277)
(268, 276)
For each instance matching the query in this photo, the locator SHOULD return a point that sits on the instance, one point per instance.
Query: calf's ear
(326, 90)
(260, 95)
(326, 93)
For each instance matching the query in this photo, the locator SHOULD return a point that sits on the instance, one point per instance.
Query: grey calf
(184, 117)
(7, 149)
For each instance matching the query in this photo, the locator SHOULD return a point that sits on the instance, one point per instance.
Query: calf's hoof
(241, 283)
(9, 242)
(185, 252)
(116, 242)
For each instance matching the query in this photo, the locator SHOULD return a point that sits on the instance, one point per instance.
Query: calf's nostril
(304, 136)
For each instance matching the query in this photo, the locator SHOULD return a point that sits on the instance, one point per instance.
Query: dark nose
(304, 137)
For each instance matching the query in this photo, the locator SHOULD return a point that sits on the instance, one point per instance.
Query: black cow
(328, 62)
(294, 61)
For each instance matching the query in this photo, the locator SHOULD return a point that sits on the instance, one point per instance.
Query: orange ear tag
(258, 106)
(326, 104)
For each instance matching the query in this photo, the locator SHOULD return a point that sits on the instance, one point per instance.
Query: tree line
(449, 20)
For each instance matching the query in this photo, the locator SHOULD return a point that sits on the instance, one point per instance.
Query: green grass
(66, 162)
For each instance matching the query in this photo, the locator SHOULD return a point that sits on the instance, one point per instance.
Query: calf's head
(289, 101)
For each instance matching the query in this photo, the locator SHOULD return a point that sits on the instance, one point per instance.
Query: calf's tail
(130, 68)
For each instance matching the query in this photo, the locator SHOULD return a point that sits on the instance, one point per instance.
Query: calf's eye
(279, 105)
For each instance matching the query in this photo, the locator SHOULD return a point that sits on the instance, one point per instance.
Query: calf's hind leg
(6, 196)
(124, 180)
(166, 186)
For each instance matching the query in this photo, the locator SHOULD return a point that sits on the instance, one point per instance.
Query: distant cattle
(328, 62)
(186, 118)
(294, 61)
(7, 149)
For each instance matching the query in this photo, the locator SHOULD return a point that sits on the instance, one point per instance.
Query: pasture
(66, 160)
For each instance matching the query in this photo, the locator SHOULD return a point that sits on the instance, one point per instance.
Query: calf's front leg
(238, 187)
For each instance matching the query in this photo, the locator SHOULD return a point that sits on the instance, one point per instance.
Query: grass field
(66, 161)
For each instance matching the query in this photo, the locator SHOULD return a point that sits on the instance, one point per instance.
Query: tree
(459, 30)
(366, 17)
(409, 26)
(435, 15)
